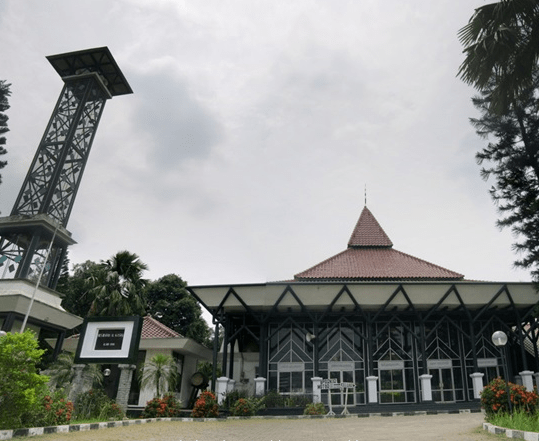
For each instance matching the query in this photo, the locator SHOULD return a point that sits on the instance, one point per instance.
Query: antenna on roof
(365, 195)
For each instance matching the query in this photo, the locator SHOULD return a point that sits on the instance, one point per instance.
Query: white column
(260, 386)
(477, 382)
(317, 391)
(426, 388)
(221, 389)
(527, 380)
(231, 385)
(372, 387)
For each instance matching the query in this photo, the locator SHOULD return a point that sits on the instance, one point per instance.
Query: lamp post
(499, 338)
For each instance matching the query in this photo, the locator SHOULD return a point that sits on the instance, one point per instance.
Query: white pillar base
(426, 387)
(477, 382)
(317, 391)
(221, 389)
(260, 386)
(372, 387)
(527, 379)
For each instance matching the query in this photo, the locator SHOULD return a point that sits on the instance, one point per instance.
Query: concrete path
(445, 427)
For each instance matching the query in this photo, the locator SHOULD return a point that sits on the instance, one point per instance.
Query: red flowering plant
(206, 406)
(247, 406)
(494, 398)
(57, 410)
(164, 407)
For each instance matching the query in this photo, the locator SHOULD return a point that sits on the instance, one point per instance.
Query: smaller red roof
(368, 232)
(151, 328)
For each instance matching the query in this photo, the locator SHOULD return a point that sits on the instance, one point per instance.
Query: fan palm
(118, 286)
(160, 373)
(501, 40)
(61, 372)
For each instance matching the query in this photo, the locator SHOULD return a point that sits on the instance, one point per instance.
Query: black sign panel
(109, 339)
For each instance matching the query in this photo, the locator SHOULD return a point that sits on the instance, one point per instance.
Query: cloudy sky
(254, 127)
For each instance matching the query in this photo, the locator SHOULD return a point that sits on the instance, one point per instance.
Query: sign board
(391, 364)
(292, 366)
(109, 340)
(440, 364)
(332, 384)
(487, 362)
(340, 365)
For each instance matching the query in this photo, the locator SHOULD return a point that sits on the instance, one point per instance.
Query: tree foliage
(501, 41)
(4, 105)
(118, 286)
(75, 288)
(21, 385)
(511, 159)
(167, 297)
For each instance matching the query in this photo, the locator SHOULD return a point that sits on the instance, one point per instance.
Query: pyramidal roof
(368, 232)
(370, 256)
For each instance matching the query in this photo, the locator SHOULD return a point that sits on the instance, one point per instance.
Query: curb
(34, 431)
(511, 433)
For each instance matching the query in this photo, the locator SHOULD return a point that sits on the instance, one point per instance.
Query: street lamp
(2, 333)
(499, 338)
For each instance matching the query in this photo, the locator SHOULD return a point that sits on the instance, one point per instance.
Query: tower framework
(43, 206)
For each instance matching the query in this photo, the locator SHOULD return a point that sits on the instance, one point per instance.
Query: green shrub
(95, 404)
(274, 399)
(231, 397)
(494, 398)
(518, 421)
(164, 407)
(297, 401)
(206, 406)
(315, 409)
(247, 406)
(20, 386)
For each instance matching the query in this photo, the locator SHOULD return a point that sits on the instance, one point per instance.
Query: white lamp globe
(499, 338)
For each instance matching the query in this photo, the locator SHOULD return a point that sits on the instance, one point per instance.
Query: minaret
(40, 214)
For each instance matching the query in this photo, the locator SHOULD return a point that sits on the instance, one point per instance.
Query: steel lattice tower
(41, 211)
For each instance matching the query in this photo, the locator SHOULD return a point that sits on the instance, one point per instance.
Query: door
(442, 384)
(340, 396)
(392, 388)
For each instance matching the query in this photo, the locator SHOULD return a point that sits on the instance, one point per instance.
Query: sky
(255, 130)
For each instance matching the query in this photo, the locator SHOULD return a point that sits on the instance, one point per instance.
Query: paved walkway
(444, 427)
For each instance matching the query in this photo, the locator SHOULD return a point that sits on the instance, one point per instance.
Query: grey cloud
(180, 128)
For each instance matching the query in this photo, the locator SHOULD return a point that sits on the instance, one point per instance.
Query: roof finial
(365, 195)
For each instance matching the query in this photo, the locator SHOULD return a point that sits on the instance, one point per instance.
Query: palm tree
(61, 372)
(118, 286)
(161, 373)
(501, 40)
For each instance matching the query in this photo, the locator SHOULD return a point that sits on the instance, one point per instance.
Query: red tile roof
(368, 232)
(370, 256)
(151, 328)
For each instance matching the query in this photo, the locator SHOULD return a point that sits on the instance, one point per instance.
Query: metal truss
(54, 177)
